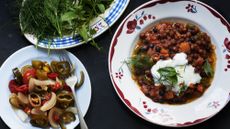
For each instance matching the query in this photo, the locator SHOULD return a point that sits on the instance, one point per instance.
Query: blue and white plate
(100, 24)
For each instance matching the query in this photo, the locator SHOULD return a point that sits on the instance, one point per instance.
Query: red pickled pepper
(31, 73)
(56, 87)
(52, 76)
(14, 88)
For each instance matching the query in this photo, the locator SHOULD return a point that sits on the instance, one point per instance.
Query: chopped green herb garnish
(168, 74)
(182, 89)
(208, 68)
(140, 62)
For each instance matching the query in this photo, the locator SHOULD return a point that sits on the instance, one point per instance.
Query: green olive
(82, 80)
(39, 121)
(41, 75)
(53, 66)
(62, 68)
(15, 102)
(37, 64)
(64, 100)
(46, 67)
(68, 117)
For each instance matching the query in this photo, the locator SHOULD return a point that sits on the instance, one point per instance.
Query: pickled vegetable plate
(22, 57)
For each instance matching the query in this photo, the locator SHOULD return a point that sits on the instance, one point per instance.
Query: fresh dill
(140, 62)
(47, 19)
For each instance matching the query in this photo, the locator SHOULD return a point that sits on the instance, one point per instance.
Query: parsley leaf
(168, 74)
(208, 68)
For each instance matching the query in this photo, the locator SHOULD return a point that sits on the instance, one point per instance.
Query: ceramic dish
(123, 42)
(23, 57)
(100, 24)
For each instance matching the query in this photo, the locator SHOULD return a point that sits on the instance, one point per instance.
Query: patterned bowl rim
(153, 3)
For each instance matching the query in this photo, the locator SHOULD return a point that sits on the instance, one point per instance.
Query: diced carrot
(184, 47)
(164, 51)
(191, 85)
(200, 88)
(199, 61)
(166, 55)
(169, 95)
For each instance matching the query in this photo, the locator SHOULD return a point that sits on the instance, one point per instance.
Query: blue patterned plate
(100, 24)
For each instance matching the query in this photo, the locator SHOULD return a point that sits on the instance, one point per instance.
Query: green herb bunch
(47, 19)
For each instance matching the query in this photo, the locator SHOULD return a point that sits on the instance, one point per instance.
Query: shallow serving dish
(100, 24)
(23, 57)
(123, 42)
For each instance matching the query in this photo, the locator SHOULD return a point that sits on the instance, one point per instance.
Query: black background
(106, 110)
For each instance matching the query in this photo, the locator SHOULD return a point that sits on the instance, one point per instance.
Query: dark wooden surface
(106, 110)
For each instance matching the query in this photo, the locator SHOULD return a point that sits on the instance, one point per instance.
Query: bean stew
(154, 70)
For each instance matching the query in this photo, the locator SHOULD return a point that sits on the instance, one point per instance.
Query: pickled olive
(82, 80)
(41, 75)
(54, 117)
(15, 102)
(64, 100)
(67, 117)
(37, 64)
(53, 66)
(39, 121)
(18, 76)
(71, 109)
(46, 67)
(62, 125)
(63, 68)
(35, 100)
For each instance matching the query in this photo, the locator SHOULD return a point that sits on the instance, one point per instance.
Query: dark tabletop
(106, 110)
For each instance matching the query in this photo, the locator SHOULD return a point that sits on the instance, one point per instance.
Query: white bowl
(23, 57)
(197, 111)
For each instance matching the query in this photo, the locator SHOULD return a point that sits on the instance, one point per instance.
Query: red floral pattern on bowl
(136, 23)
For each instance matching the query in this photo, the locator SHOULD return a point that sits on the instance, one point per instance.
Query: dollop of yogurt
(186, 73)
